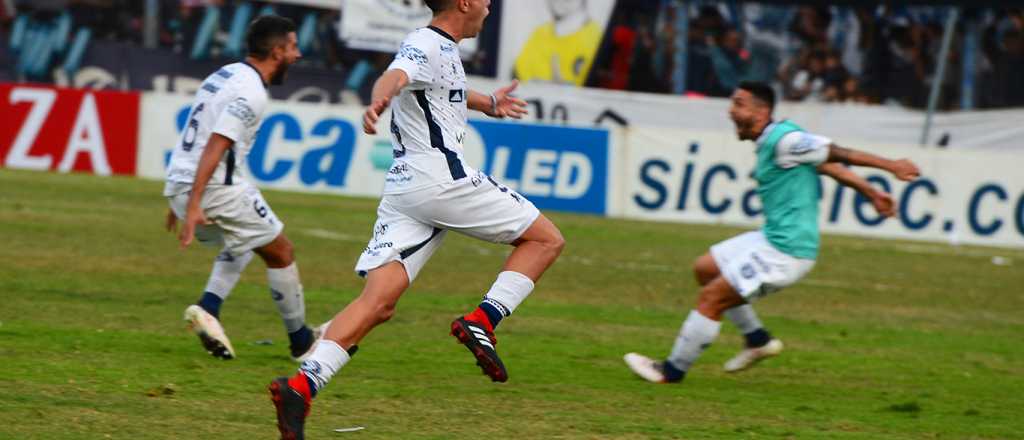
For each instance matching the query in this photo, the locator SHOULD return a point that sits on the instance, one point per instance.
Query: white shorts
(410, 226)
(242, 220)
(754, 268)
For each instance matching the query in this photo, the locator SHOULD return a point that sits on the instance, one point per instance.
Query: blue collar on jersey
(441, 32)
(260, 75)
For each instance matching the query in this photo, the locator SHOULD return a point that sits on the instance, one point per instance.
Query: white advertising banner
(555, 104)
(705, 177)
(381, 25)
(643, 172)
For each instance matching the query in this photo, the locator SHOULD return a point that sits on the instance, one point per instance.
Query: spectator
(809, 81)
(835, 78)
(642, 76)
(811, 25)
(1009, 69)
(622, 43)
(730, 60)
(700, 72)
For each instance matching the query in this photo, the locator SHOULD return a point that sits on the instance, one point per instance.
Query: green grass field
(885, 339)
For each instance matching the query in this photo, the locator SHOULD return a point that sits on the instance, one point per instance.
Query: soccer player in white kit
(206, 189)
(430, 190)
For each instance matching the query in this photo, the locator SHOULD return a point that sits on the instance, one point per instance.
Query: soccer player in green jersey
(749, 266)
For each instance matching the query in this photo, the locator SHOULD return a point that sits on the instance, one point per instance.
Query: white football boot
(210, 332)
(645, 367)
(750, 356)
(318, 334)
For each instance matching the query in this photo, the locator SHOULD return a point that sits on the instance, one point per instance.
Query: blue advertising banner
(322, 148)
(560, 168)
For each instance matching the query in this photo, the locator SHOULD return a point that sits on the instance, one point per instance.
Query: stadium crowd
(880, 55)
(179, 21)
(830, 54)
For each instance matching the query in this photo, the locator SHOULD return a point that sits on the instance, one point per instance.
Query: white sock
(509, 290)
(744, 318)
(324, 363)
(287, 293)
(225, 273)
(697, 333)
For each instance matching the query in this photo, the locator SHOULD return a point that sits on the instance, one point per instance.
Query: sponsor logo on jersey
(457, 95)
(240, 109)
(410, 52)
(399, 169)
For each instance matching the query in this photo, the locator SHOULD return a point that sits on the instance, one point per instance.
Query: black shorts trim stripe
(230, 167)
(408, 252)
(437, 138)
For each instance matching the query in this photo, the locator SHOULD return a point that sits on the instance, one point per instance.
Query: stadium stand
(876, 55)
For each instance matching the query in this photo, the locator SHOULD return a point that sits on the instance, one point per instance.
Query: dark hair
(264, 32)
(438, 5)
(761, 91)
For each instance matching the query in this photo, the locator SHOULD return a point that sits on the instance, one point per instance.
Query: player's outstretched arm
(903, 169)
(212, 154)
(387, 86)
(499, 104)
(881, 200)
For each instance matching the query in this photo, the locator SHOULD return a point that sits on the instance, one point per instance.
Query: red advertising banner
(58, 129)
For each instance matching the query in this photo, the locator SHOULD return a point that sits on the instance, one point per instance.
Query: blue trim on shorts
(408, 252)
(231, 166)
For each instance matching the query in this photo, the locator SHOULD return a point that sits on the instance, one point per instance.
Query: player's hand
(508, 105)
(193, 218)
(884, 204)
(373, 114)
(905, 170)
(171, 223)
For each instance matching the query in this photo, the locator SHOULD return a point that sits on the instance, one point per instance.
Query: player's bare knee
(277, 255)
(383, 311)
(284, 251)
(556, 243)
(698, 273)
(705, 269)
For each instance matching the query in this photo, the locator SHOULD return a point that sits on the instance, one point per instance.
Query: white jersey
(230, 102)
(428, 118)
